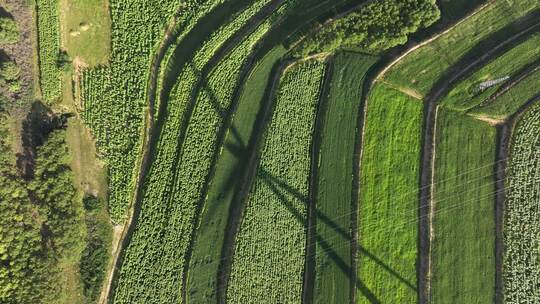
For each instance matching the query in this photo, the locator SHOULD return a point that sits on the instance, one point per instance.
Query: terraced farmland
(270, 151)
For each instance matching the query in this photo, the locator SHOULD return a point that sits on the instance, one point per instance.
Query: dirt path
(503, 139)
(431, 39)
(407, 91)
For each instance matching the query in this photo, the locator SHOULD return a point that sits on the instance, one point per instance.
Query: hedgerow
(377, 26)
(41, 227)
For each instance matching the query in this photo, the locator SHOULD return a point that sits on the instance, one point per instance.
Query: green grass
(463, 262)
(387, 211)
(226, 182)
(269, 258)
(86, 30)
(521, 229)
(466, 94)
(422, 68)
(335, 177)
(509, 102)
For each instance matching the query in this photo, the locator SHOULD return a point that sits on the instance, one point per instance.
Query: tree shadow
(325, 246)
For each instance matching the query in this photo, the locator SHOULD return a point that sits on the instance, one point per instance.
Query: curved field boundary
(237, 212)
(441, 87)
(273, 37)
(144, 163)
(151, 132)
(510, 83)
(431, 39)
(367, 86)
(505, 132)
(235, 40)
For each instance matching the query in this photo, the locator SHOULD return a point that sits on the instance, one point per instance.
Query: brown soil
(22, 51)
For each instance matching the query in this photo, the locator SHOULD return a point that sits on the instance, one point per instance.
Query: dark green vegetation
(242, 171)
(9, 31)
(48, 25)
(228, 179)
(113, 97)
(463, 210)
(521, 228)
(276, 211)
(9, 75)
(334, 176)
(96, 254)
(43, 219)
(495, 22)
(377, 26)
(390, 169)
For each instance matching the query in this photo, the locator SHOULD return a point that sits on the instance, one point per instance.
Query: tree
(375, 27)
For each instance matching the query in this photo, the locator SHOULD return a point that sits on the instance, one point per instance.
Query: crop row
(114, 96)
(469, 93)
(49, 49)
(420, 69)
(521, 262)
(269, 256)
(155, 258)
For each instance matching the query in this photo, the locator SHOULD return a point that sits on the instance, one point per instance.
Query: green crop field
(510, 101)
(521, 217)
(275, 215)
(49, 49)
(469, 93)
(269, 151)
(390, 168)
(334, 176)
(420, 69)
(463, 200)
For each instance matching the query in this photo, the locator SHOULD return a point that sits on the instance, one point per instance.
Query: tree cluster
(374, 27)
(42, 221)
